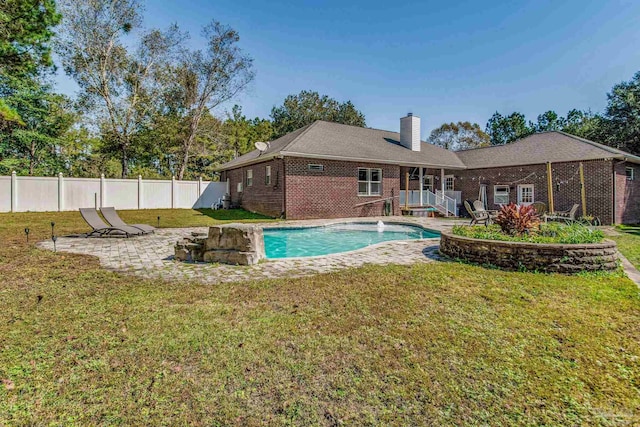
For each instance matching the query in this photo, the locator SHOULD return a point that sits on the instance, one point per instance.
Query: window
(239, 187)
(249, 177)
(428, 182)
(369, 182)
(525, 194)
(267, 175)
(501, 194)
(629, 173)
(316, 168)
(448, 182)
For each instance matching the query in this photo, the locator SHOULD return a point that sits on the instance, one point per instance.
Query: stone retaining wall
(558, 258)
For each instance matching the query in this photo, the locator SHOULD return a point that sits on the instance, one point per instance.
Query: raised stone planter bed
(557, 258)
(238, 244)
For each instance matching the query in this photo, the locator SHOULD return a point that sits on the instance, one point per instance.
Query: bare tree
(118, 83)
(209, 78)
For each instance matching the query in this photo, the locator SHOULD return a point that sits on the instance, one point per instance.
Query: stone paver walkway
(151, 256)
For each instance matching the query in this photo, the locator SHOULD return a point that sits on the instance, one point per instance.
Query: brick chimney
(410, 132)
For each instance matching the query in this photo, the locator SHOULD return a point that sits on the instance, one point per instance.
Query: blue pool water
(311, 241)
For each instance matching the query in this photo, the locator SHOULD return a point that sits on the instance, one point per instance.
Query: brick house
(330, 170)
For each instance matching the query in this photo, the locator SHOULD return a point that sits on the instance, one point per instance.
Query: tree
(208, 79)
(505, 129)
(117, 83)
(548, 121)
(45, 117)
(307, 106)
(585, 124)
(241, 133)
(459, 136)
(623, 115)
(25, 31)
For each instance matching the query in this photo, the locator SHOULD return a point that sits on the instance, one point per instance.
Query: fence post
(173, 191)
(139, 191)
(60, 192)
(14, 191)
(102, 190)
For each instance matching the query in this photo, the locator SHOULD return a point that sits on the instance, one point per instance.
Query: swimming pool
(330, 239)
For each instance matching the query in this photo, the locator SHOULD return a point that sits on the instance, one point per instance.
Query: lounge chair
(478, 206)
(565, 216)
(114, 219)
(477, 217)
(101, 228)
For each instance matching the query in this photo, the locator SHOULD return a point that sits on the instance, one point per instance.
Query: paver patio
(151, 256)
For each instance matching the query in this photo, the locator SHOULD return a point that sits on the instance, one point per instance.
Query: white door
(525, 194)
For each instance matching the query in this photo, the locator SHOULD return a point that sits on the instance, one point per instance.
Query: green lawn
(629, 243)
(433, 344)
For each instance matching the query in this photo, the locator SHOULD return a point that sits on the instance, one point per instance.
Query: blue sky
(442, 60)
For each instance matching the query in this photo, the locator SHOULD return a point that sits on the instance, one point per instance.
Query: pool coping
(348, 221)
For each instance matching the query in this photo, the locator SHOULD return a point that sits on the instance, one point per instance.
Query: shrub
(516, 220)
(553, 232)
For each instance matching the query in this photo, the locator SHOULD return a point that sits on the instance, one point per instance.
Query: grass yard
(441, 343)
(629, 243)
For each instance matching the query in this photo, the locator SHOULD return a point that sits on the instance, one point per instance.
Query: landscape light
(158, 221)
(54, 238)
(26, 231)
(53, 224)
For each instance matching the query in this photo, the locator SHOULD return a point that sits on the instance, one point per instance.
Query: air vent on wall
(315, 168)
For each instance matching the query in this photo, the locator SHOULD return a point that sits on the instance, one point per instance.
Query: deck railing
(442, 202)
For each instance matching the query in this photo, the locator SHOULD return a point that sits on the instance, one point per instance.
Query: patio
(151, 256)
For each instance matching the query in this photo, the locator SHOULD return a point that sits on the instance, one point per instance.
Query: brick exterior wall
(259, 197)
(627, 194)
(566, 185)
(333, 193)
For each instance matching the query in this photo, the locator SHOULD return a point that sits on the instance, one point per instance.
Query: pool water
(330, 239)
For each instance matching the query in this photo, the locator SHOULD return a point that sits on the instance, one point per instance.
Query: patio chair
(477, 217)
(565, 216)
(114, 219)
(479, 207)
(101, 228)
(540, 207)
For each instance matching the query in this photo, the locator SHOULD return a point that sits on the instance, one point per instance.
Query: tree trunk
(125, 162)
(32, 157)
(186, 146)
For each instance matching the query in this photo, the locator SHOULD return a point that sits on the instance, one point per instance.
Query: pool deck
(151, 256)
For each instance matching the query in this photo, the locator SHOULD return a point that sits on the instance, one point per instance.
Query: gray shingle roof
(540, 148)
(326, 140)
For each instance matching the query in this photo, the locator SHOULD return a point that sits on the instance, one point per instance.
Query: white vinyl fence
(41, 194)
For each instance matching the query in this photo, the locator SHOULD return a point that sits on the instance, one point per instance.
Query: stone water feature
(238, 244)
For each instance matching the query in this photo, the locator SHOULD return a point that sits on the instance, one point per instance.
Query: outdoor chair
(477, 217)
(565, 216)
(479, 207)
(101, 228)
(540, 207)
(114, 219)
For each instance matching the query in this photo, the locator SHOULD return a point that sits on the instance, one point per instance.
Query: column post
(14, 191)
(60, 192)
(173, 192)
(103, 195)
(421, 175)
(139, 191)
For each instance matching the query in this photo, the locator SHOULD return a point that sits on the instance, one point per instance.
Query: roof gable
(540, 148)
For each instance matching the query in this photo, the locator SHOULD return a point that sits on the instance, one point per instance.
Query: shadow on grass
(233, 215)
(630, 229)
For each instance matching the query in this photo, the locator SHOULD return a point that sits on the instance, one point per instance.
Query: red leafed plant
(516, 220)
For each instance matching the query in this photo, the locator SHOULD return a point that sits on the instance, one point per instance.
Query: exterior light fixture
(26, 231)
(158, 221)
(54, 238)
(53, 224)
